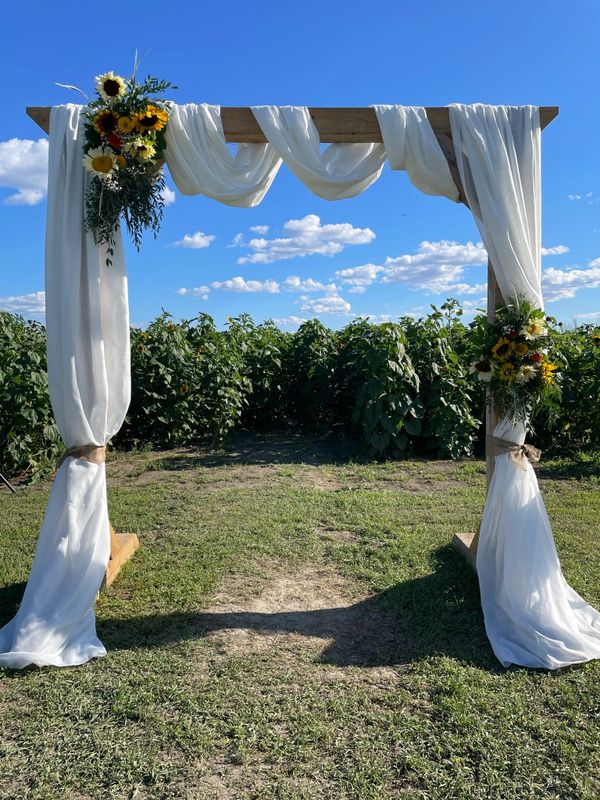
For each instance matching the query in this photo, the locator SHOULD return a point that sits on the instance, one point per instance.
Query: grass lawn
(297, 625)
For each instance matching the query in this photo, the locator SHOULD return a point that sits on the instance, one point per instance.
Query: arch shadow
(436, 614)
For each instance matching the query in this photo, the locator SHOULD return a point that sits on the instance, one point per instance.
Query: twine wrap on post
(94, 453)
(520, 453)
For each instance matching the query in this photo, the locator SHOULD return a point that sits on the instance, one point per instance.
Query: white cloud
(198, 291)
(33, 304)
(305, 237)
(555, 251)
(436, 267)
(359, 277)
(237, 241)
(574, 196)
(562, 284)
(590, 316)
(295, 284)
(24, 167)
(239, 284)
(329, 304)
(168, 196)
(195, 241)
(289, 322)
(262, 229)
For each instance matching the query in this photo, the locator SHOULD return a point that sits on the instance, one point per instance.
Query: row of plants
(395, 388)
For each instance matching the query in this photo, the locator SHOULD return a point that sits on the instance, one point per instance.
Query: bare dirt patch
(310, 611)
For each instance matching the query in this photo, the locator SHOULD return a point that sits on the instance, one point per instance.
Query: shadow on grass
(437, 614)
(10, 599)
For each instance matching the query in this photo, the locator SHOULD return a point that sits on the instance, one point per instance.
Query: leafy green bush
(377, 382)
(29, 439)
(437, 346)
(396, 387)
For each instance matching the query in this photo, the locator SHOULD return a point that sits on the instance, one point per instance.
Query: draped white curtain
(87, 323)
(532, 616)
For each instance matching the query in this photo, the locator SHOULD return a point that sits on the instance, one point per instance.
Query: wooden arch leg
(122, 547)
(466, 543)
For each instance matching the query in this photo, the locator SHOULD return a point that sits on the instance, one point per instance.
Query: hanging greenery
(515, 358)
(124, 147)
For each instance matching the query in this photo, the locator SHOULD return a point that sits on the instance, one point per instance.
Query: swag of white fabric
(532, 616)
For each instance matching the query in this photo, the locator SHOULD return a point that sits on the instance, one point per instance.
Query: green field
(297, 625)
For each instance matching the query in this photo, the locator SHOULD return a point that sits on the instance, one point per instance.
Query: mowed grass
(405, 700)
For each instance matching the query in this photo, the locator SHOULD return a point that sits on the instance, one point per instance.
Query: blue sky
(413, 249)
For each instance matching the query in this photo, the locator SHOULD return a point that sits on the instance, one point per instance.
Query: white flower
(141, 148)
(484, 369)
(533, 329)
(100, 162)
(110, 86)
(525, 374)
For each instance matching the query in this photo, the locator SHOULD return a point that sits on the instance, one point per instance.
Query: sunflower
(126, 124)
(506, 372)
(142, 149)
(521, 349)
(184, 389)
(153, 118)
(110, 86)
(502, 349)
(100, 162)
(526, 373)
(105, 122)
(547, 371)
(533, 329)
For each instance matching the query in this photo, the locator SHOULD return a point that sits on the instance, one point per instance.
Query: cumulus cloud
(359, 277)
(195, 241)
(29, 305)
(24, 167)
(168, 196)
(262, 229)
(562, 284)
(436, 267)
(304, 237)
(329, 304)
(239, 284)
(555, 251)
(295, 284)
(198, 291)
(289, 322)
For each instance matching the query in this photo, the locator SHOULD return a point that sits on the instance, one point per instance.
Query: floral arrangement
(515, 359)
(123, 151)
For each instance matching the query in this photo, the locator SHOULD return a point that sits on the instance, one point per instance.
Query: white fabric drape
(532, 616)
(200, 161)
(87, 324)
(340, 171)
(410, 145)
(498, 152)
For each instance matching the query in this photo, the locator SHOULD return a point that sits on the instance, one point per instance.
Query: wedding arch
(486, 157)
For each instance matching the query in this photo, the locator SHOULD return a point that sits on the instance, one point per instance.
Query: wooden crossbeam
(334, 124)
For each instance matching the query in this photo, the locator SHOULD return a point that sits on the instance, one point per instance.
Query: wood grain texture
(333, 124)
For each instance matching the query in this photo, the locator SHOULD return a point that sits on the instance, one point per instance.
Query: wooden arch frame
(341, 125)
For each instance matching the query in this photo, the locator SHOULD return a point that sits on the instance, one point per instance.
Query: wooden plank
(463, 543)
(125, 546)
(333, 124)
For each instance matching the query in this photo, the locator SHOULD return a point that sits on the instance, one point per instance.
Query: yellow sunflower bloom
(105, 122)
(126, 124)
(506, 372)
(502, 349)
(547, 371)
(521, 349)
(153, 118)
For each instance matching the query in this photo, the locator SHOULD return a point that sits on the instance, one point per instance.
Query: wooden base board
(463, 542)
(128, 543)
